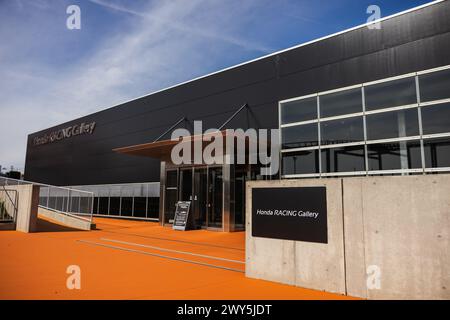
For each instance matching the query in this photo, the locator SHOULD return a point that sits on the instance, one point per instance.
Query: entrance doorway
(203, 186)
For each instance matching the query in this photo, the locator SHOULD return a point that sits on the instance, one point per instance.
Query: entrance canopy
(162, 149)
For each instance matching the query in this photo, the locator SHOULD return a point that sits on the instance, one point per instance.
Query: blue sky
(125, 49)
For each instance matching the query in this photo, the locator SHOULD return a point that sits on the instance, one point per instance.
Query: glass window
(153, 207)
(42, 197)
(139, 207)
(127, 207)
(390, 94)
(186, 185)
(215, 197)
(74, 204)
(52, 202)
(302, 162)
(435, 86)
(171, 180)
(342, 131)
(437, 152)
(342, 102)
(394, 156)
(95, 208)
(436, 118)
(299, 110)
(393, 124)
(300, 136)
(103, 205)
(240, 177)
(347, 159)
(85, 204)
(171, 202)
(114, 206)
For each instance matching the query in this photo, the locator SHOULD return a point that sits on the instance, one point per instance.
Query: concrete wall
(303, 264)
(66, 220)
(8, 226)
(27, 207)
(402, 226)
(399, 226)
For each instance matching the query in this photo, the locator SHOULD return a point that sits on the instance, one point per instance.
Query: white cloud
(163, 44)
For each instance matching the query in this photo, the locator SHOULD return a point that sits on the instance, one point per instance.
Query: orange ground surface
(119, 261)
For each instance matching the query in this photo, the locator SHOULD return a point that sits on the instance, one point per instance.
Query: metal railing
(68, 201)
(8, 205)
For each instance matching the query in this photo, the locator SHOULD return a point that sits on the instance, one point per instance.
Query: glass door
(186, 184)
(239, 196)
(215, 197)
(171, 196)
(200, 197)
(203, 187)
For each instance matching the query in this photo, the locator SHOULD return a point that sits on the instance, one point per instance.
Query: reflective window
(394, 155)
(393, 124)
(390, 94)
(171, 180)
(74, 205)
(342, 131)
(114, 206)
(302, 162)
(139, 207)
(171, 201)
(186, 185)
(240, 177)
(300, 110)
(436, 118)
(171, 196)
(103, 205)
(216, 197)
(342, 102)
(437, 152)
(382, 123)
(300, 136)
(52, 202)
(95, 207)
(126, 206)
(435, 86)
(345, 159)
(153, 207)
(85, 204)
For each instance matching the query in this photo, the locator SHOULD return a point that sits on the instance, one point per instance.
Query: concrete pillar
(27, 210)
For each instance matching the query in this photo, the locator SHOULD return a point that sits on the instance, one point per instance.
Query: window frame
(421, 137)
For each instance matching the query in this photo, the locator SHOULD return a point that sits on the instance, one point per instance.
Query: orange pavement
(132, 260)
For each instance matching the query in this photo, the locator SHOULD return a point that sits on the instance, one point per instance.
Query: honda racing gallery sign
(70, 131)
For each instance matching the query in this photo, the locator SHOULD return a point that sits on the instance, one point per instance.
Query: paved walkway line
(171, 250)
(173, 240)
(160, 256)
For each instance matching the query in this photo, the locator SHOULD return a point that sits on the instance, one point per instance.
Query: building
(360, 102)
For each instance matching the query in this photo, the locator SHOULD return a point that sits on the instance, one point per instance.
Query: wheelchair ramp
(65, 219)
(66, 206)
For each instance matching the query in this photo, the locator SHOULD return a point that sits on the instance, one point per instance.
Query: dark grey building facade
(361, 102)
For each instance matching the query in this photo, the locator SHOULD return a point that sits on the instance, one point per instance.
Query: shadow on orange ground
(133, 260)
(47, 225)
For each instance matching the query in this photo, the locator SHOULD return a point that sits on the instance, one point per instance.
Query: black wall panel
(407, 43)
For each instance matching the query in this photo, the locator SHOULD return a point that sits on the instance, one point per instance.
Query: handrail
(9, 197)
(41, 184)
(64, 195)
(12, 202)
